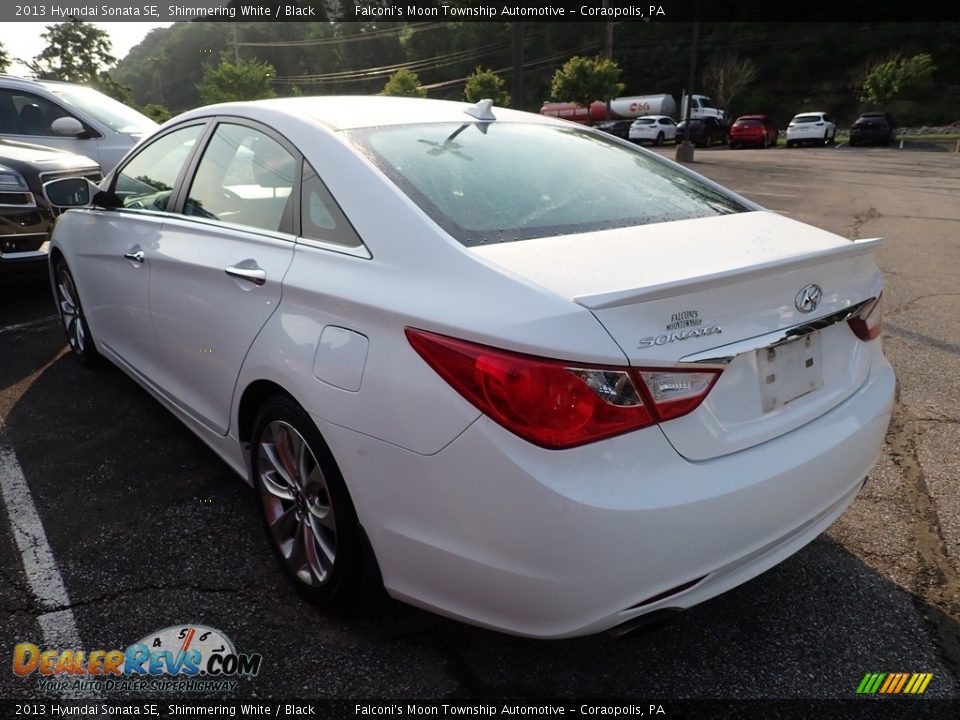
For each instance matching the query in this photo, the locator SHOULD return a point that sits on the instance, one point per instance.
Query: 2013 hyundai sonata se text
(541, 379)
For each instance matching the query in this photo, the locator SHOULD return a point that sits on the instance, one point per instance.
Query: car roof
(811, 112)
(654, 117)
(753, 117)
(359, 111)
(873, 114)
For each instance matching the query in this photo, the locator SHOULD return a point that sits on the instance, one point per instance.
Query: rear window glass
(501, 182)
(747, 123)
(644, 121)
(806, 118)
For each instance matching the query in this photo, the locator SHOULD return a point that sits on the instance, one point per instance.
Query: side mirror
(69, 126)
(69, 192)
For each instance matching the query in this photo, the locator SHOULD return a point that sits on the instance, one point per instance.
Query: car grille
(17, 199)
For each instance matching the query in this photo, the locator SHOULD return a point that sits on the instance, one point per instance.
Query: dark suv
(25, 216)
(704, 132)
(872, 127)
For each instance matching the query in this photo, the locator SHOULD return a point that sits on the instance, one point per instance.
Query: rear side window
(320, 216)
(503, 182)
(246, 178)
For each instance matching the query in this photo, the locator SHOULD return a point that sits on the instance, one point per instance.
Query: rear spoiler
(601, 301)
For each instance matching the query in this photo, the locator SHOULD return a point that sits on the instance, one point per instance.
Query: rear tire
(308, 515)
(659, 140)
(69, 307)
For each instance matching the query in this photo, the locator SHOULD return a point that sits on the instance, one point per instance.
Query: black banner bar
(866, 708)
(52, 11)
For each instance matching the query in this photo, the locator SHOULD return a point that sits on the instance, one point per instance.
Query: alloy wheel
(296, 500)
(71, 312)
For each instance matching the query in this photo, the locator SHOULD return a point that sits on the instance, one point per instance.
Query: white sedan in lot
(654, 129)
(541, 406)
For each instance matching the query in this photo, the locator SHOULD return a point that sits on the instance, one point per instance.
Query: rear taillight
(557, 404)
(868, 323)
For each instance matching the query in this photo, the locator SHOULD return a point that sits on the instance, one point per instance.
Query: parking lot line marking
(32, 324)
(57, 624)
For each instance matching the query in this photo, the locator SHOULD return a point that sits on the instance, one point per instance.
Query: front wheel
(71, 315)
(308, 514)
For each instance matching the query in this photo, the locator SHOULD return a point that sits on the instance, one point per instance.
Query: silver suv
(69, 117)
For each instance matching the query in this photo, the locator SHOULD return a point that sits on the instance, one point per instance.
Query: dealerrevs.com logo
(177, 658)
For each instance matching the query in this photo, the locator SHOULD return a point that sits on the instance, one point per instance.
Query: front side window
(245, 177)
(23, 113)
(147, 180)
(502, 181)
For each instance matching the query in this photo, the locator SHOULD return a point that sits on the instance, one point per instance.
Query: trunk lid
(719, 291)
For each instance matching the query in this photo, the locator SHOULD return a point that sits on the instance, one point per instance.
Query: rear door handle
(254, 275)
(137, 257)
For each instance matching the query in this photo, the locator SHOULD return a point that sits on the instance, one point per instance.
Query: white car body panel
(810, 131)
(650, 131)
(464, 517)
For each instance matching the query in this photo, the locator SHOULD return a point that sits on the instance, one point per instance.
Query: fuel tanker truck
(628, 108)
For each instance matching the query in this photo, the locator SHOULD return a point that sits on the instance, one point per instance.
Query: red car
(756, 130)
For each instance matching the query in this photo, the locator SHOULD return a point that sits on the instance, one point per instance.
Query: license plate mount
(789, 370)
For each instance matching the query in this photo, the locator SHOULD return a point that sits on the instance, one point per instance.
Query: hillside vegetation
(798, 66)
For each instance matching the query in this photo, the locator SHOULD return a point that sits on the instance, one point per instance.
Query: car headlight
(11, 181)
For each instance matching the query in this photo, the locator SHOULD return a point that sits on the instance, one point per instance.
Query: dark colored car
(704, 132)
(872, 127)
(25, 216)
(757, 130)
(620, 128)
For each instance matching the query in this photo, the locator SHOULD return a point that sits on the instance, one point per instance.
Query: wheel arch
(254, 395)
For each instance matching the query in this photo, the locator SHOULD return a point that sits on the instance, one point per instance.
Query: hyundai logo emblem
(808, 298)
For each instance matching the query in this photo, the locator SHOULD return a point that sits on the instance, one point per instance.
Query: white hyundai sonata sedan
(541, 379)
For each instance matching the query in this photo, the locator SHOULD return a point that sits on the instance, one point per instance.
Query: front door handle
(137, 257)
(254, 275)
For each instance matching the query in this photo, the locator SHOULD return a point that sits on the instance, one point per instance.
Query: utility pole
(608, 49)
(236, 47)
(685, 149)
(518, 90)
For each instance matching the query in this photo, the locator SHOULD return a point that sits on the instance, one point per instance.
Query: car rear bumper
(552, 544)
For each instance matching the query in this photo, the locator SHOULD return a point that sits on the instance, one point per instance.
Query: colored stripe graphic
(894, 683)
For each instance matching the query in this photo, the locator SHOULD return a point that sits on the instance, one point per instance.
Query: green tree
(583, 80)
(76, 52)
(485, 84)
(897, 76)
(156, 112)
(4, 59)
(105, 83)
(404, 83)
(246, 80)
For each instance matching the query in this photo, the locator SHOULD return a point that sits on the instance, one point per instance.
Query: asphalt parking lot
(149, 529)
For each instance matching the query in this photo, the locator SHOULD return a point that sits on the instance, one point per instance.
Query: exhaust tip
(647, 621)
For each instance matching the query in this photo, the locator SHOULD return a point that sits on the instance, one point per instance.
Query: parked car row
(755, 130)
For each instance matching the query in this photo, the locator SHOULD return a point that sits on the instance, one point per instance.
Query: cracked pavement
(150, 529)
